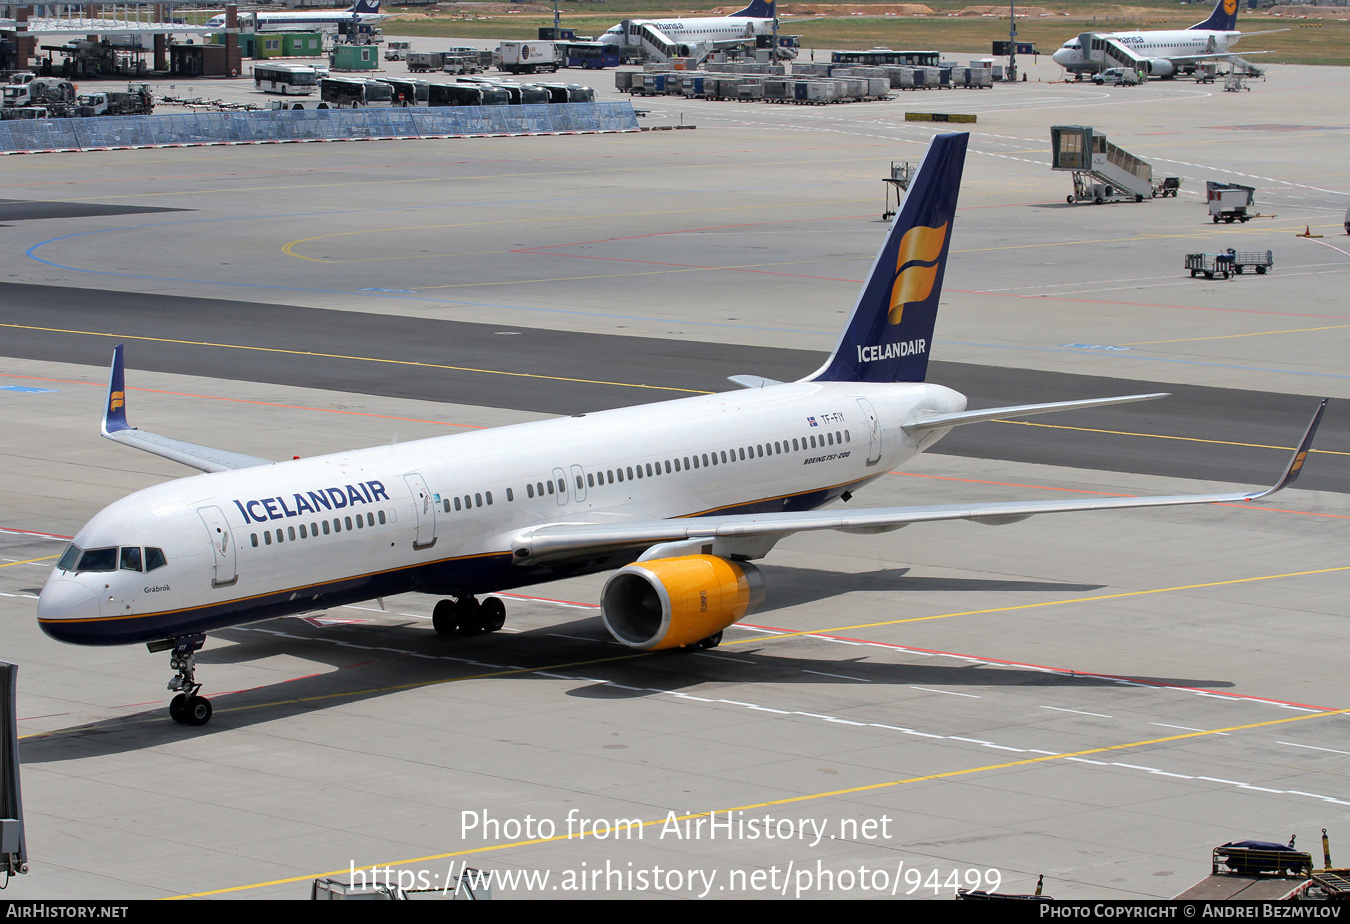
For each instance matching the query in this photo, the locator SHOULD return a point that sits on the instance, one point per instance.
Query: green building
(354, 58)
(263, 45)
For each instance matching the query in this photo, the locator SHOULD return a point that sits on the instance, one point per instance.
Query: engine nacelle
(674, 602)
(1161, 67)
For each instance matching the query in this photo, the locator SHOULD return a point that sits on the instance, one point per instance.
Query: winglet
(1295, 466)
(115, 406)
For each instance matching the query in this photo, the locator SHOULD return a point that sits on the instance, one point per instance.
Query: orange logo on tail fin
(118, 399)
(920, 245)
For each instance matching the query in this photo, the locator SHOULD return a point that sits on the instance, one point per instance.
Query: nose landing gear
(466, 616)
(187, 708)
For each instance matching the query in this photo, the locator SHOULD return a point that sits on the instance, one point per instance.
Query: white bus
(286, 79)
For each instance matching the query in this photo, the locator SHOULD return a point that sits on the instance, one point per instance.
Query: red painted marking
(1067, 672)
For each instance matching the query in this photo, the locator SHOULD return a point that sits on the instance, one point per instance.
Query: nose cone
(1063, 57)
(62, 604)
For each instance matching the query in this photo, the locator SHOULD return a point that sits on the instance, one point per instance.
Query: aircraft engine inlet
(675, 602)
(1161, 67)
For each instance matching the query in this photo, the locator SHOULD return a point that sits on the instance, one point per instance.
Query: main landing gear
(187, 708)
(466, 616)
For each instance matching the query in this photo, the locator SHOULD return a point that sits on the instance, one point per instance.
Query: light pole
(1012, 39)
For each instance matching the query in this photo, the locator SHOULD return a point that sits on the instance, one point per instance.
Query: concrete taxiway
(1099, 698)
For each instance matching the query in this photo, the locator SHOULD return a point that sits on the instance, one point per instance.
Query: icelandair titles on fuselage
(276, 508)
(878, 351)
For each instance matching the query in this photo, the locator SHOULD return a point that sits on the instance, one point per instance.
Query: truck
(528, 57)
(135, 100)
(396, 51)
(51, 92)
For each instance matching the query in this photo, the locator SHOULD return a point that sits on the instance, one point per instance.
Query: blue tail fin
(1223, 19)
(891, 331)
(758, 9)
(365, 6)
(115, 405)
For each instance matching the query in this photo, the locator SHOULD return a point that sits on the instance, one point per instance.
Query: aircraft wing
(567, 540)
(1221, 55)
(116, 428)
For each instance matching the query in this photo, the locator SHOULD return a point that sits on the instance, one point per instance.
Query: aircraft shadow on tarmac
(788, 586)
(410, 655)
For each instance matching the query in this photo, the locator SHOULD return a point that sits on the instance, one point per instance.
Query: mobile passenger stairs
(1107, 53)
(651, 43)
(1101, 171)
(1239, 70)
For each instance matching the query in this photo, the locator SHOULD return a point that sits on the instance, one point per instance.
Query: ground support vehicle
(1102, 172)
(1261, 261)
(528, 57)
(1209, 265)
(52, 92)
(1229, 202)
(1167, 188)
(1230, 263)
(135, 100)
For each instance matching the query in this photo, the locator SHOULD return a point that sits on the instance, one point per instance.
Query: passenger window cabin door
(873, 431)
(222, 546)
(424, 511)
(560, 486)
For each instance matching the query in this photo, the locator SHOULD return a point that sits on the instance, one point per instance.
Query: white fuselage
(693, 31)
(1174, 45)
(440, 515)
(261, 21)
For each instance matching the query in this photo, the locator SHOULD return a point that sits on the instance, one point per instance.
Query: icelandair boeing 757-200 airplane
(679, 496)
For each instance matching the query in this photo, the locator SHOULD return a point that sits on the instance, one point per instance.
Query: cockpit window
(154, 558)
(71, 556)
(99, 560)
(131, 558)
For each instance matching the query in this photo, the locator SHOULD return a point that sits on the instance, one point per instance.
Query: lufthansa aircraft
(678, 496)
(756, 18)
(1168, 51)
(365, 12)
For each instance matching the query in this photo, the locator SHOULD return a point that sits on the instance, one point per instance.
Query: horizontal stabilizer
(752, 381)
(117, 429)
(942, 421)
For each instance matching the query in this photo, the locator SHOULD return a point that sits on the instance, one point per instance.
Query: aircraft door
(424, 512)
(222, 546)
(873, 431)
(578, 484)
(560, 482)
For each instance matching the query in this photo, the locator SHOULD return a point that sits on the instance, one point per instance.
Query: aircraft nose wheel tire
(190, 710)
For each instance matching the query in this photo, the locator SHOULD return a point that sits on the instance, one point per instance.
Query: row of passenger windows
(653, 469)
(127, 558)
(716, 457)
(335, 525)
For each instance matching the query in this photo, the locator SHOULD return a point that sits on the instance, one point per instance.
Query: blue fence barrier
(280, 125)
